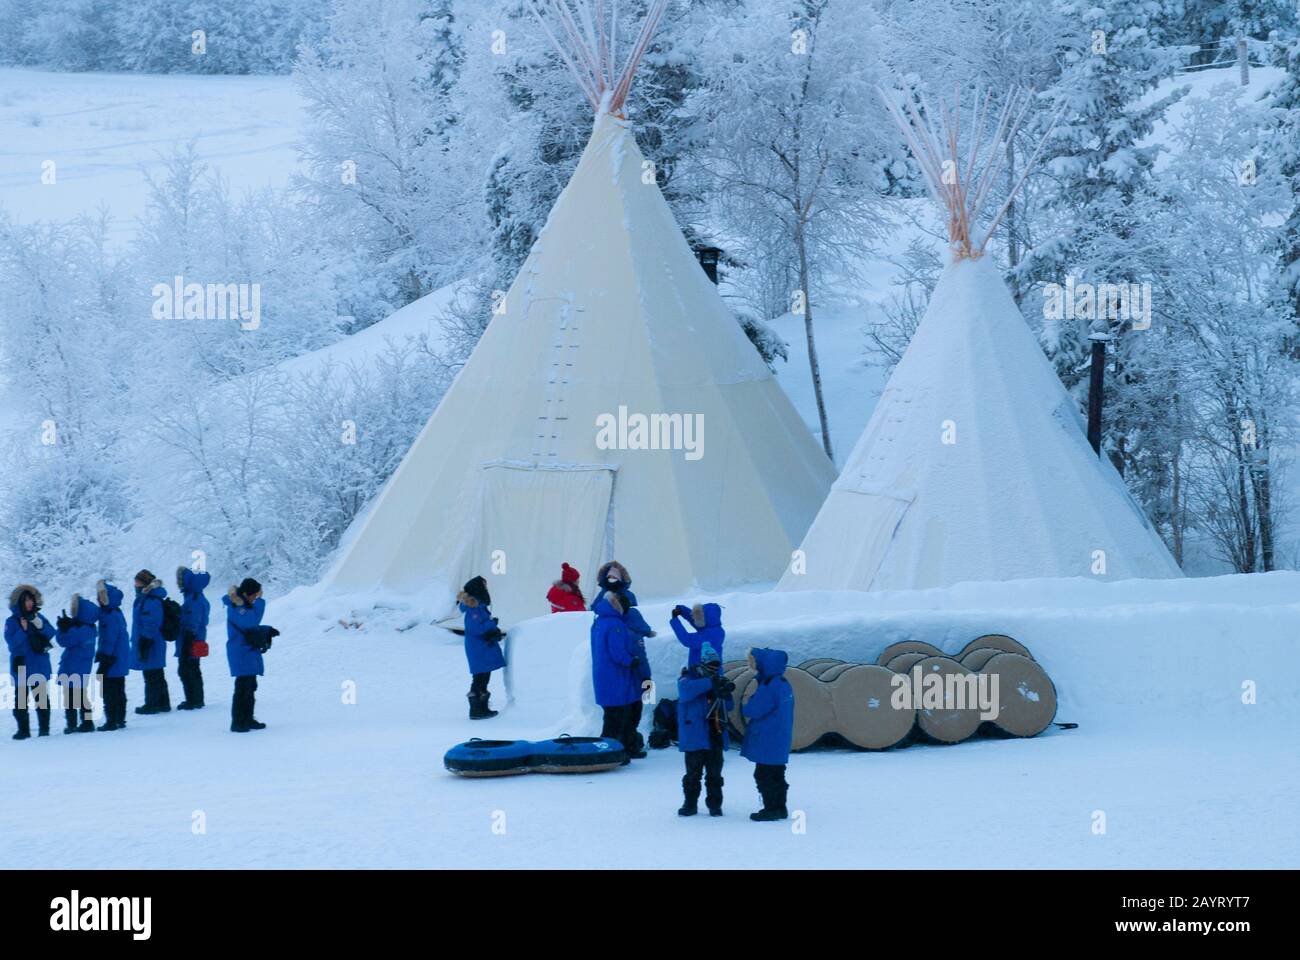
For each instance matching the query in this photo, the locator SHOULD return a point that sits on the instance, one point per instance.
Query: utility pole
(1099, 337)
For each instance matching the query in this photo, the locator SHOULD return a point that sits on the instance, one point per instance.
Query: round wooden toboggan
(996, 641)
(947, 723)
(907, 646)
(818, 666)
(1026, 695)
(904, 662)
(864, 713)
(976, 659)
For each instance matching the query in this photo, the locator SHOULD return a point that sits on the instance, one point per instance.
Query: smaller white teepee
(974, 465)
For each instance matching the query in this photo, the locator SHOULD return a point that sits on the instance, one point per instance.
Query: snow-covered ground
(102, 131)
(1185, 773)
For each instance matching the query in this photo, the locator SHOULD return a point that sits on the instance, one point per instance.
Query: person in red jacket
(565, 594)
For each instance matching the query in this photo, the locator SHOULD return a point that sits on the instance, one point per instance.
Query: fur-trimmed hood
(154, 584)
(19, 590)
(610, 604)
(603, 573)
(706, 615)
(108, 595)
(233, 594)
(191, 582)
(466, 599)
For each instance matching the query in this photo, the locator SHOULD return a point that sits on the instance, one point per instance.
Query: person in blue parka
(195, 611)
(703, 699)
(148, 648)
(29, 637)
(617, 670)
(76, 635)
(112, 655)
(613, 578)
(706, 621)
(245, 608)
(769, 727)
(482, 645)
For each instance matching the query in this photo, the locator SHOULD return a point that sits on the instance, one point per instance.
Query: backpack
(664, 732)
(171, 624)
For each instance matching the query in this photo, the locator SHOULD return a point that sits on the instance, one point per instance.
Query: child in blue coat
(616, 673)
(769, 727)
(482, 645)
(148, 648)
(244, 611)
(703, 699)
(29, 637)
(112, 655)
(195, 611)
(706, 623)
(76, 635)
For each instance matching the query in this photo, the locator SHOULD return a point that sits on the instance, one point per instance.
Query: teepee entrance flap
(520, 506)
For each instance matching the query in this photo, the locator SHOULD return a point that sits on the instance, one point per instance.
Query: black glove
(494, 636)
(723, 687)
(145, 646)
(19, 662)
(64, 623)
(680, 611)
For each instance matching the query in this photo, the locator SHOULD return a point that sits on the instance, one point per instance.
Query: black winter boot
(70, 721)
(691, 806)
(43, 722)
(24, 725)
(478, 707)
(713, 796)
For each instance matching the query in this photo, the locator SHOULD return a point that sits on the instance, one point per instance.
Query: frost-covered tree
(384, 184)
(792, 152)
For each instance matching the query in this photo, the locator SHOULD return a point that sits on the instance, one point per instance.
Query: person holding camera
(703, 699)
(706, 623)
(76, 635)
(245, 644)
(112, 655)
(148, 648)
(195, 611)
(29, 637)
(482, 645)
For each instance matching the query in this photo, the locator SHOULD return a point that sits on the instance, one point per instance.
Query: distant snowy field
(104, 130)
(1186, 774)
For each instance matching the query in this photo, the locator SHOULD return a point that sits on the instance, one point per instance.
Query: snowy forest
(438, 134)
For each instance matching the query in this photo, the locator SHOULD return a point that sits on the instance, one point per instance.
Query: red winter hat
(568, 574)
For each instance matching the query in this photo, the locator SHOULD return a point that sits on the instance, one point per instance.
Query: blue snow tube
(489, 758)
(565, 754)
(577, 754)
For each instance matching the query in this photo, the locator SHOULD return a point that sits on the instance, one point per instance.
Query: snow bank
(1139, 652)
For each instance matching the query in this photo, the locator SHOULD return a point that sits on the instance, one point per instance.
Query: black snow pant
(241, 706)
(76, 705)
(620, 724)
(708, 764)
(37, 694)
(190, 670)
(478, 683)
(157, 698)
(632, 731)
(115, 701)
(770, 780)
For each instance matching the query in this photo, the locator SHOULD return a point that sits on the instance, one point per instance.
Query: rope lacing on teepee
(585, 34)
(961, 186)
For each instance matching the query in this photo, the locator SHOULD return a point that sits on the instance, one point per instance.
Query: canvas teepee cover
(610, 316)
(974, 465)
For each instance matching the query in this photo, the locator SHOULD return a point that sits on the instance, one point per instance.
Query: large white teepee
(974, 465)
(611, 318)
